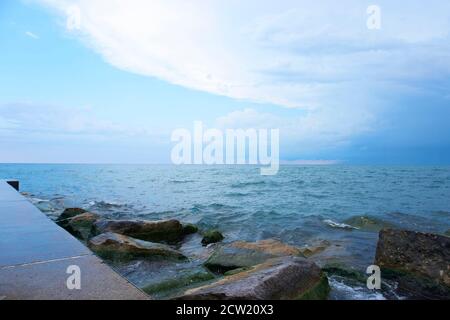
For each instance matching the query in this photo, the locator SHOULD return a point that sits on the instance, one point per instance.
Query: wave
(38, 200)
(247, 184)
(181, 181)
(236, 194)
(105, 205)
(347, 292)
(335, 224)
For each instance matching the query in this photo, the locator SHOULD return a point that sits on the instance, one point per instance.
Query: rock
(420, 262)
(276, 279)
(241, 254)
(211, 236)
(81, 226)
(314, 248)
(367, 223)
(159, 231)
(117, 247)
(69, 213)
(189, 229)
(447, 233)
(341, 270)
(171, 287)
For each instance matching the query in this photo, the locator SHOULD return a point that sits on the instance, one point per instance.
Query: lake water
(300, 205)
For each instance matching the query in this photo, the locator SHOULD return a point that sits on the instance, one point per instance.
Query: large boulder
(241, 254)
(81, 226)
(420, 262)
(159, 231)
(280, 278)
(67, 214)
(117, 247)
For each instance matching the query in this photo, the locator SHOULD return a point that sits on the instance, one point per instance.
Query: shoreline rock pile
(267, 269)
(419, 263)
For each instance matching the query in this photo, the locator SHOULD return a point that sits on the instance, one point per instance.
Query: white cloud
(32, 35)
(291, 53)
(316, 56)
(309, 132)
(29, 120)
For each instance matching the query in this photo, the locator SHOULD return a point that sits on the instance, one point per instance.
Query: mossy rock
(170, 287)
(81, 226)
(116, 247)
(228, 258)
(341, 270)
(236, 271)
(284, 278)
(416, 287)
(168, 231)
(212, 236)
(67, 214)
(319, 292)
(189, 228)
(242, 254)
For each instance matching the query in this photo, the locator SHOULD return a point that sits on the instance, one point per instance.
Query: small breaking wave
(344, 291)
(38, 200)
(335, 224)
(106, 206)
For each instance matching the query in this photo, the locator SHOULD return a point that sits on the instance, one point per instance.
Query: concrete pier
(38, 258)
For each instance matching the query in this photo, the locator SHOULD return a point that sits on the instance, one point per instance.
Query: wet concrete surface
(35, 254)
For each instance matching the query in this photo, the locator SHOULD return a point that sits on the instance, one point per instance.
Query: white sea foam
(343, 291)
(335, 224)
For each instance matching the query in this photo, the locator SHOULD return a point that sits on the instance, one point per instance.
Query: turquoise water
(294, 206)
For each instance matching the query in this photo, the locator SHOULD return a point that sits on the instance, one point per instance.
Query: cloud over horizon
(319, 59)
(292, 53)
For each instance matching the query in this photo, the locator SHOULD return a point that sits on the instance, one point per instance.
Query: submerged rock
(367, 223)
(447, 233)
(280, 278)
(189, 229)
(420, 262)
(241, 254)
(341, 270)
(114, 246)
(172, 286)
(211, 236)
(159, 231)
(314, 248)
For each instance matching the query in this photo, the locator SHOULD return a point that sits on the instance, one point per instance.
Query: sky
(96, 81)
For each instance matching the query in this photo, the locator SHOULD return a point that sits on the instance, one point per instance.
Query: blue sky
(112, 90)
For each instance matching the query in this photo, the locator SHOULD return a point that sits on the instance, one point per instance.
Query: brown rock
(420, 261)
(241, 254)
(115, 246)
(158, 231)
(279, 278)
(81, 226)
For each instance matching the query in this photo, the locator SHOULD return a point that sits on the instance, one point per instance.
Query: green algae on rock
(276, 279)
(418, 261)
(117, 247)
(170, 287)
(169, 231)
(241, 254)
(212, 236)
